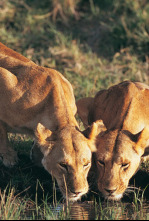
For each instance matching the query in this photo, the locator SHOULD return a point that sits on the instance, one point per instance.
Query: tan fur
(39, 101)
(124, 140)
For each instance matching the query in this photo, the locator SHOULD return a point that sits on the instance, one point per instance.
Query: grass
(10, 208)
(15, 207)
(94, 44)
(80, 50)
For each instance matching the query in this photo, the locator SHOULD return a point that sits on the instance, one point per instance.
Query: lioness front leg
(7, 155)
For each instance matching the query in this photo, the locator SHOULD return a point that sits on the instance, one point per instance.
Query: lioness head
(67, 156)
(117, 159)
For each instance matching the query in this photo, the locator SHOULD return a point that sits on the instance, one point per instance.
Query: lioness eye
(125, 165)
(64, 166)
(86, 165)
(101, 163)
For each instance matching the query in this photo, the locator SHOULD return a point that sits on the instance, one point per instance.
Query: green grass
(94, 44)
(11, 207)
(86, 51)
(16, 207)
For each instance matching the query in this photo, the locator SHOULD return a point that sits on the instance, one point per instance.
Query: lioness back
(117, 105)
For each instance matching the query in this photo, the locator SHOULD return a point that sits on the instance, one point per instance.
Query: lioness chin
(40, 102)
(123, 141)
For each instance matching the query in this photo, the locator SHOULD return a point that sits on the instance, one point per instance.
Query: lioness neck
(63, 111)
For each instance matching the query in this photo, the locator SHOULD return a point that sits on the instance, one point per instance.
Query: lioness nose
(110, 191)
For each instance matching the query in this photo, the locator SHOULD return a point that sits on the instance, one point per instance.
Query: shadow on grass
(141, 180)
(27, 179)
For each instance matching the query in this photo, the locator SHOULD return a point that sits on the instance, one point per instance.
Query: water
(93, 207)
(90, 210)
(77, 211)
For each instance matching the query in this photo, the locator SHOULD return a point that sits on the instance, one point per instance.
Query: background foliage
(93, 43)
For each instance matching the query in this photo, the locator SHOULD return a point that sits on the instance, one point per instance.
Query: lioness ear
(44, 135)
(145, 156)
(92, 132)
(83, 108)
(142, 143)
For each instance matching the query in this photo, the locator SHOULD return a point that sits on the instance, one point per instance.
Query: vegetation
(94, 44)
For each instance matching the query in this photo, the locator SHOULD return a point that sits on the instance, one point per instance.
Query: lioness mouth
(114, 197)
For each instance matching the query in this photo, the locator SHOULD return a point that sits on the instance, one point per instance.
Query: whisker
(95, 192)
(129, 191)
(135, 188)
(126, 194)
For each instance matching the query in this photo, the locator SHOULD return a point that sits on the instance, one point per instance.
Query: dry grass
(11, 206)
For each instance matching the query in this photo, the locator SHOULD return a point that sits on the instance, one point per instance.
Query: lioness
(39, 101)
(124, 140)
